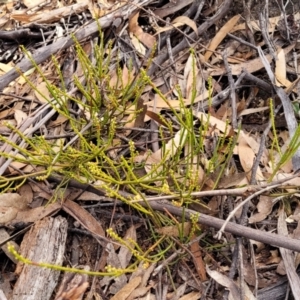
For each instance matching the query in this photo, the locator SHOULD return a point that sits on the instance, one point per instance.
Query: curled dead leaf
(146, 38)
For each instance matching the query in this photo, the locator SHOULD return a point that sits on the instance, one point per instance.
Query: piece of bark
(45, 242)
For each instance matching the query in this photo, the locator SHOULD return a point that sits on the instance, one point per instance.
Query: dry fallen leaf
(136, 116)
(191, 296)
(234, 292)
(120, 83)
(120, 281)
(177, 22)
(233, 180)
(280, 69)
(5, 67)
(127, 289)
(42, 92)
(250, 111)
(193, 84)
(220, 125)
(251, 66)
(144, 286)
(86, 196)
(36, 214)
(175, 230)
(198, 260)
(17, 164)
(247, 157)
(125, 254)
(264, 208)
(50, 16)
(32, 3)
(272, 22)
(294, 181)
(10, 205)
(73, 286)
(170, 150)
(157, 118)
(84, 218)
(139, 47)
(20, 116)
(146, 38)
(221, 34)
(254, 145)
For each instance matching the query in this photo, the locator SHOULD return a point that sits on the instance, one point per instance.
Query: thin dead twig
(232, 91)
(263, 21)
(222, 96)
(242, 41)
(267, 188)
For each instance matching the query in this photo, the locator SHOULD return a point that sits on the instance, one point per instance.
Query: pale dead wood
(160, 203)
(4, 236)
(54, 15)
(45, 242)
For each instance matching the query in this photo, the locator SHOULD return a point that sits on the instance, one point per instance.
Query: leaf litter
(173, 128)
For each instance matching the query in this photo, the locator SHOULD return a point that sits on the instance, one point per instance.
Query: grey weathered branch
(45, 52)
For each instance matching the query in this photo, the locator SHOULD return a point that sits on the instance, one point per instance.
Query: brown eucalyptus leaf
(146, 38)
(264, 208)
(175, 230)
(83, 217)
(127, 289)
(221, 34)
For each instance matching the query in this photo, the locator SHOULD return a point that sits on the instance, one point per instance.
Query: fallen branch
(45, 52)
(238, 230)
